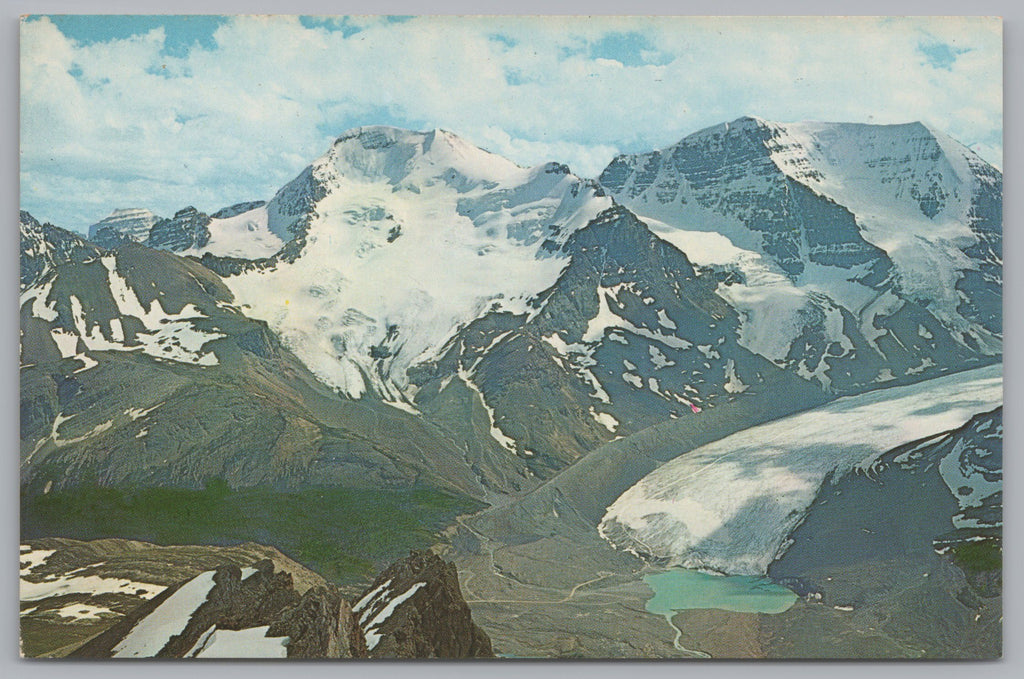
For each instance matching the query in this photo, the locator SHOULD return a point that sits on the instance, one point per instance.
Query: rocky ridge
(240, 608)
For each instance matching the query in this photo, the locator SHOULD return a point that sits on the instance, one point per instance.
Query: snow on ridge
(371, 629)
(251, 642)
(370, 596)
(151, 633)
(728, 506)
(606, 318)
(580, 359)
(168, 336)
(503, 439)
(968, 481)
(849, 163)
(39, 296)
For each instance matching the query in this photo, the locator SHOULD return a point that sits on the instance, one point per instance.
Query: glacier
(730, 505)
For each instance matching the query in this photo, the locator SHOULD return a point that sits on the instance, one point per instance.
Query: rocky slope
(234, 602)
(908, 549)
(229, 612)
(72, 590)
(123, 351)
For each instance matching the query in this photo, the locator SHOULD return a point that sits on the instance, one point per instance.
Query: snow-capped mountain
(531, 317)
(405, 237)
(123, 225)
(630, 335)
(853, 253)
(136, 365)
(239, 231)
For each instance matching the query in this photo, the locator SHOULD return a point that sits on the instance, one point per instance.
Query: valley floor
(870, 581)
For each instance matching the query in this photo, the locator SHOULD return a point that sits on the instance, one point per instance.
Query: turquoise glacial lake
(680, 589)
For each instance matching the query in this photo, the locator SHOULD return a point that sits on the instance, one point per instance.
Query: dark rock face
(318, 624)
(415, 609)
(321, 626)
(795, 225)
(982, 289)
(237, 209)
(109, 238)
(897, 544)
(291, 210)
(45, 246)
(187, 229)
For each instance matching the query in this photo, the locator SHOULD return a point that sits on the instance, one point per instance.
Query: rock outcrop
(187, 229)
(235, 613)
(274, 608)
(415, 609)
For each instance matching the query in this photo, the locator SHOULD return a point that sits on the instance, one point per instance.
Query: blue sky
(164, 111)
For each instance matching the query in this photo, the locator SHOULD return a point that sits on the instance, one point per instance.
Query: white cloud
(136, 126)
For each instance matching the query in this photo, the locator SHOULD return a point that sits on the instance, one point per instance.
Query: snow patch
(372, 628)
(246, 643)
(84, 612)
(733, 384)
(505, 441)
(170, 618)
(658, 359)
(605, 420)
(245, 236)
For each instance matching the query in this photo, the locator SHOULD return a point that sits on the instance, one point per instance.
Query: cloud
(145, 120)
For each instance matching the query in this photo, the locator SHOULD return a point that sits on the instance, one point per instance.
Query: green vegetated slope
(345, 534)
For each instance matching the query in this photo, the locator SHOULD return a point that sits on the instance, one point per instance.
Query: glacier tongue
(415, 235)
(729, 506)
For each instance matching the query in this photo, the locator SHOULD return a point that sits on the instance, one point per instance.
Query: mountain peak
(749, 120)
(377, 136)
(381, 137)
(26, 219)
(133, 223)
(377, 152)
